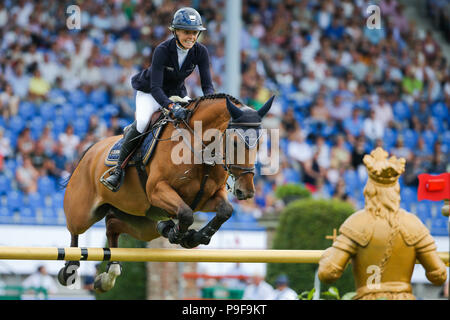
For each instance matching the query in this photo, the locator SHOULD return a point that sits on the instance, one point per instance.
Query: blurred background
(342, 89)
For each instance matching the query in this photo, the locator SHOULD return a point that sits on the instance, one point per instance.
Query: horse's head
(242, 143)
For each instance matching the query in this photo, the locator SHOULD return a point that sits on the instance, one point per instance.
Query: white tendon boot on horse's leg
(106, 280)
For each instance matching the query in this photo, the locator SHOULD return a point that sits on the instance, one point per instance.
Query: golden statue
(383, 241)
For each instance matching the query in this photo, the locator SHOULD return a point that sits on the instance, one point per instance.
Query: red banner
(434, 188)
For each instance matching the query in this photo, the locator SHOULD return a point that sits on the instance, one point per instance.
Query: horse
(171, 191)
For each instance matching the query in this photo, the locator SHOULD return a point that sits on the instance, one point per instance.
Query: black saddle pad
(144, 153)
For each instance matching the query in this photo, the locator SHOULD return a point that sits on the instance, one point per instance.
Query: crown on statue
(381, 169)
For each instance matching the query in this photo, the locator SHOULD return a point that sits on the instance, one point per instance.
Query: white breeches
(146, 106)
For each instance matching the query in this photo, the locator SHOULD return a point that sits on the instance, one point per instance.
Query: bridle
(228, 167)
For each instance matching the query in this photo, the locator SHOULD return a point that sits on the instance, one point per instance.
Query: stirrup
(107, 184)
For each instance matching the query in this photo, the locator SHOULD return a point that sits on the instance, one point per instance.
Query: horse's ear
(234, 111)
(265, 108)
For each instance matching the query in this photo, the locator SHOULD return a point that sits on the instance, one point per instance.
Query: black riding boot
(130, 142)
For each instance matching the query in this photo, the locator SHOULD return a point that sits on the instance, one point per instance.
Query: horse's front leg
(218, 203)
(166, 198)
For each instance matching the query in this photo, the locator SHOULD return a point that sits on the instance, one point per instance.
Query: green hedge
(291, 191)
(132, 283)
(303, 225)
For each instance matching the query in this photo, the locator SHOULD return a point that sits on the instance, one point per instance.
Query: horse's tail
(63, 184)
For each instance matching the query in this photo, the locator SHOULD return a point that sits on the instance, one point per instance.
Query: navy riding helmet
(187, 19)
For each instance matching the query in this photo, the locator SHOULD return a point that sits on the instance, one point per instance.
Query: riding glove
(178, 112)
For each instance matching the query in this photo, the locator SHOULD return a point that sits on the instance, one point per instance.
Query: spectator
(312, 172)
(258, 289)
(288, 122)
(39, 87)
(339, 109)
(383, 112)
(125, 48)
(282, 290)
(41, 280)
(19, 81)
(310, 85)
(9, 103)
(47, 141)
(340, 156)
(5, 145)
(400, 151)
(298, 148)
(354, 126)
(439, 161)
(69, 143)
(373, 128)
(25, 144)
(27, 176)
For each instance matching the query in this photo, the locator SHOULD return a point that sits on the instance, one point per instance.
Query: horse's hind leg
(118, 222)
(106, 280)
(68, 274)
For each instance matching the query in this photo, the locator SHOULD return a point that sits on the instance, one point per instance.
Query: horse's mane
(215, 96)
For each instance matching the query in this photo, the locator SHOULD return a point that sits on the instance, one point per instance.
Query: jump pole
(167, 255)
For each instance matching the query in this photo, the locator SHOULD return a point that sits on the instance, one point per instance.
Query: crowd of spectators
(439, 12)
(342, 88)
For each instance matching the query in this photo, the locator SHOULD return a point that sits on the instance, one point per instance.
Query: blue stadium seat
(408, 195)
(401, 111)
(99, 97)
(37, 126)
(49, 216)
(446, 138)
(16, 124)
(68, 112)
(46, 186)
(409, 138)
(88, 110)
(80, 127)
(429, 138)
(110, 110)
(27, 110)
(351, 180)
(439, 226)
(14, 200)
(6, 215)
(58, 126)
(439, 110)
(423, 211)
(5, 184)
(389, 137)
(47, 111)
(77, 97)
(291, 175)
(11, 166)
(58, 199)
(34, 200)
(56, 94)
(27, 216)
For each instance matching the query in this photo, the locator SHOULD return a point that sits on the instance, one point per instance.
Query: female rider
(173, 61)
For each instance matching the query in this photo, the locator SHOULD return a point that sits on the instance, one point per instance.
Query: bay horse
(146, 214)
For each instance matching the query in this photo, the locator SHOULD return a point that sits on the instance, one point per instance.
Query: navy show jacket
(164, 78)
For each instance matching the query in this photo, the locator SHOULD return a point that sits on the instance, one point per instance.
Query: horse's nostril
(239, 193)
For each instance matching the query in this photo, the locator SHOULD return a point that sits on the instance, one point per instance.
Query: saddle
(140, 157)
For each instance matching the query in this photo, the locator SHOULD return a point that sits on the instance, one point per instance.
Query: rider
(173, 61)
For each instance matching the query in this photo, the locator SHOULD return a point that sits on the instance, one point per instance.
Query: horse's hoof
(163, 227)
(175, 236)
(68, 273)
(202, 238)
(188, 241)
